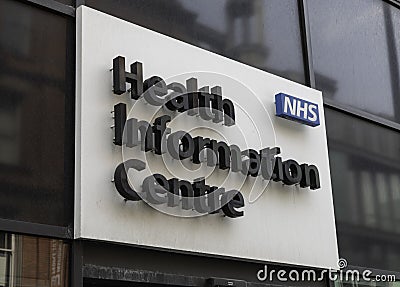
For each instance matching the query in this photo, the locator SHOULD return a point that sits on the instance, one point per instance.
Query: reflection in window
(9, 134)
(355, 54)
(32, 261)
(15, 32)
(33, 92)
(263, 34)
(365, 170)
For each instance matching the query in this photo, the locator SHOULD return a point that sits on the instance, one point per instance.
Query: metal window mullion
(36, 229)
(79, 3)
(76, 263)
(357, 113)
(306, 43)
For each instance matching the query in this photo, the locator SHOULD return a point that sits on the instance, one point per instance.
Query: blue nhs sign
(296, 109)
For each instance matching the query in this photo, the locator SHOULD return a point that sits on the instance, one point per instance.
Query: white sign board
(282, 223)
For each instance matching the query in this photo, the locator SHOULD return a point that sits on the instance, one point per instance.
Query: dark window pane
(365, 169)
(354, 52)
(261, 33)
(33, 61)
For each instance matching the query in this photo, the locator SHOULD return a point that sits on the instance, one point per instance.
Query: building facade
(348, 49)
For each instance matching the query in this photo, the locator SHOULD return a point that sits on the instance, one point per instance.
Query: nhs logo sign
(296, 109)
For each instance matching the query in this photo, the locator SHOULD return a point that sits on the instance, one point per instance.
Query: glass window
(261, 33)
(356, 54)
(33, 261)
(33, 95)
(365, 170)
